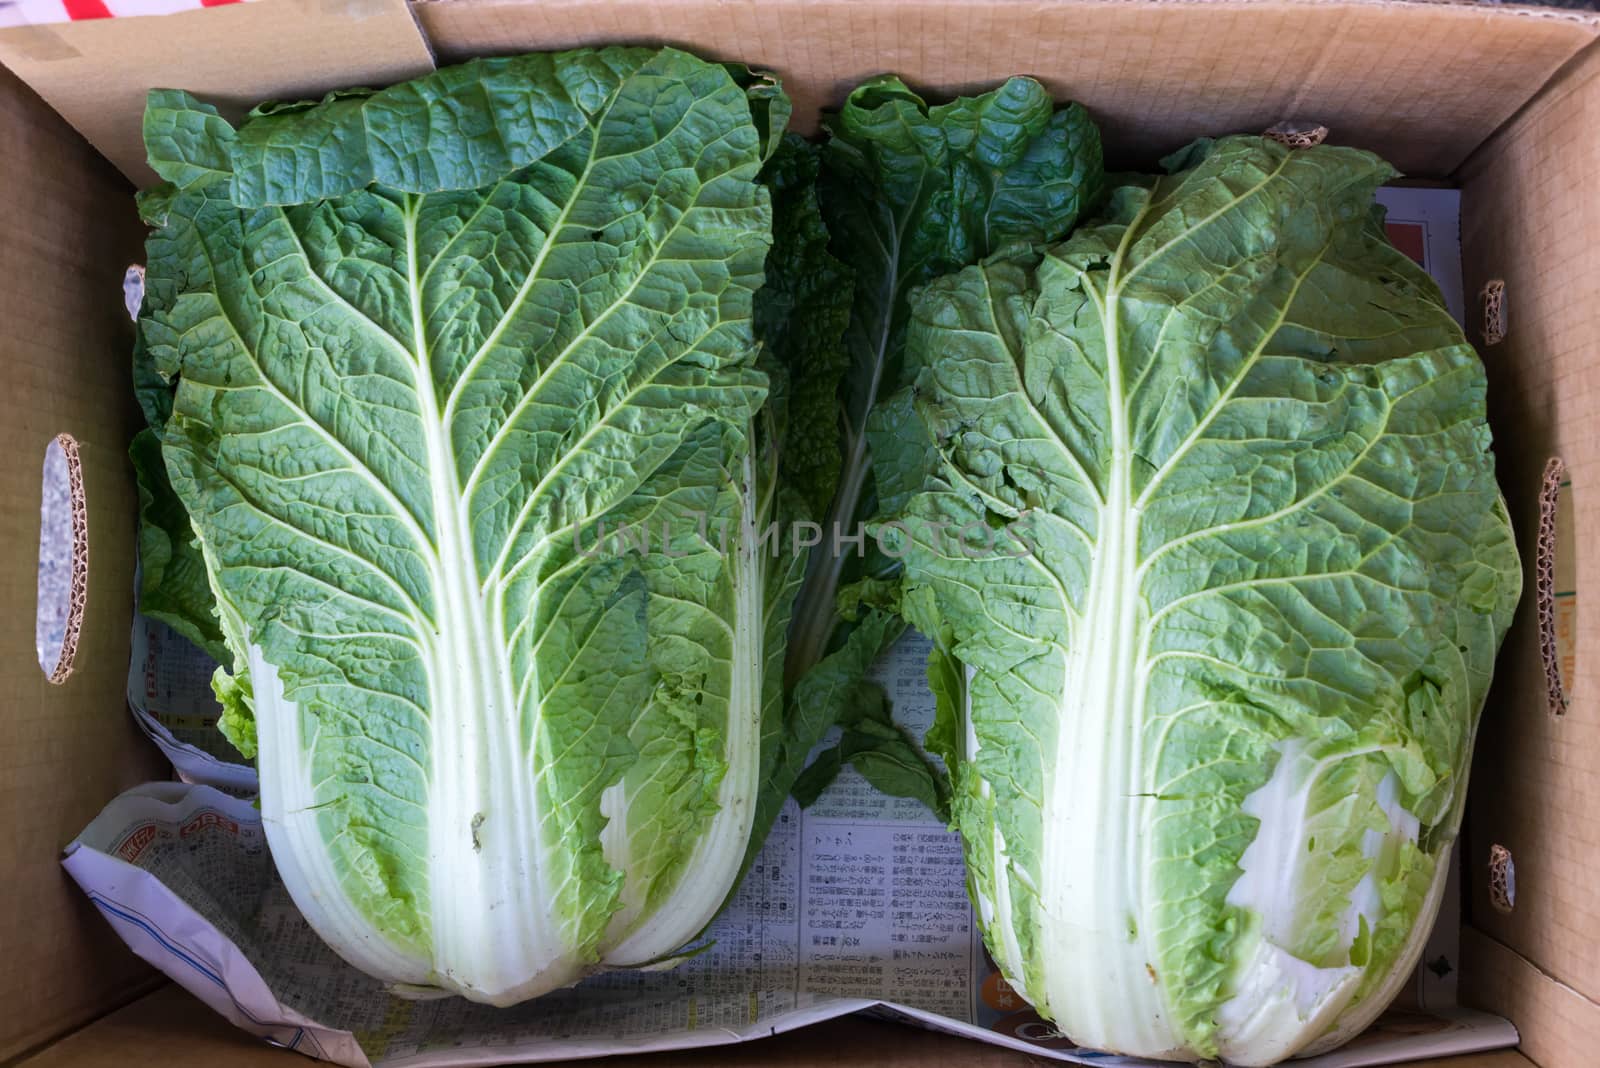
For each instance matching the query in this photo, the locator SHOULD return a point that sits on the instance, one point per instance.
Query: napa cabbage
(420, 365)
(1216, 567)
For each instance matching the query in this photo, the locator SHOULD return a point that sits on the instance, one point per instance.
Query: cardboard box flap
(96, 73)
(1421, 83)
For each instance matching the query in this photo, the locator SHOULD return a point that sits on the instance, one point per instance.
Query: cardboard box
(1500, 99)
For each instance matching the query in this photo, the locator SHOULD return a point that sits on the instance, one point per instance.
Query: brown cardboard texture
(63, 749)
(1560, 1028)
(1513, 93)
(1530, 218)
(1420, 84)
(96, 73)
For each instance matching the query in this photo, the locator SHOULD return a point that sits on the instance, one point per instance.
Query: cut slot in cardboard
(1499, 99)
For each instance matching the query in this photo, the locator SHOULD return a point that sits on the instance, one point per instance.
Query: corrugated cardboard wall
(1531, 216)
(1422, 84)
(1558, 1026)
(66, 233)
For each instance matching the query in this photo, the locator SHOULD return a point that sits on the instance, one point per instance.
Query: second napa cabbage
(1209, 708)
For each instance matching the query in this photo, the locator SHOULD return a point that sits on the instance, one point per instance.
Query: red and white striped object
(34, 12)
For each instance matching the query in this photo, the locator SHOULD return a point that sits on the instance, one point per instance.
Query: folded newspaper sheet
(856, 904)
(169, 692)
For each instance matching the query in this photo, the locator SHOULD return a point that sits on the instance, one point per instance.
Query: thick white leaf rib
(1089, 864)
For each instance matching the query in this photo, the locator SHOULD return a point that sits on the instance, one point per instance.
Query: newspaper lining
(169, 693)
(856, 904)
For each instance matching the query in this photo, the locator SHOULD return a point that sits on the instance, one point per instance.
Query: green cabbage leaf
(907, 192)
